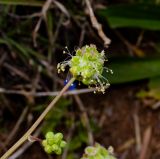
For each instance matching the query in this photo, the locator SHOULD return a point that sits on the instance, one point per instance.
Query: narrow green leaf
(24, 51)
(132, 69)
(34, 3)
(145, 16)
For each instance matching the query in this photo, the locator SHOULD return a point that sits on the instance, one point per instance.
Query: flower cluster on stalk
(53, 143)
(87, 66)
(98, 152)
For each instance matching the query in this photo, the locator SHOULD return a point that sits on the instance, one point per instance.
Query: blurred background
(33, 35)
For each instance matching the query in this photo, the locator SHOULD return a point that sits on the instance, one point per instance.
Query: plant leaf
(132, 69)
(34, 3)
(145, 16)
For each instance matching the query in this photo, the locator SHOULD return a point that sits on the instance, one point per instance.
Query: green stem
(37, 122)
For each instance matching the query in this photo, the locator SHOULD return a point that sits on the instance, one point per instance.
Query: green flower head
(87, 66)
(53, 143)
(97, 152)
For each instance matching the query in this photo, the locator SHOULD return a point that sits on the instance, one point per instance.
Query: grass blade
(132, 69)
(145, 16)
(34, 3)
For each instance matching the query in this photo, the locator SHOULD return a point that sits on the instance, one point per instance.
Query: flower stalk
(37, 122)
(87, 66)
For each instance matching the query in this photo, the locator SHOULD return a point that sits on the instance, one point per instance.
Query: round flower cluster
(98, 152)
(87, 66)
(53, 143)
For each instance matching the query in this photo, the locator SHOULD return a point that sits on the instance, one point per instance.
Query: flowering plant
(98, 152)
(87, 66)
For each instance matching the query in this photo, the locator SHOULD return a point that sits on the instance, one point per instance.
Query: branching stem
(37, 122)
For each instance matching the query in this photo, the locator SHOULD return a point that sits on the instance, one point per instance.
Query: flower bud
(49, 135)
(63, 144)
(53, 143)
(48, 149)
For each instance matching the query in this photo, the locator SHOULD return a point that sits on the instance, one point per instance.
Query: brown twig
(137, 132)
(25, 146)
(35, 83)
(61, 7)
(145, 145)
(34, 34)
(43, 13)
(30, 16)
(16, 128)
(156, 105)
(34, 138)
(85, 119)
(97, 25)
(140, 38)
(37, 122)
(16, 71)
(2, 59)
(82, 35)
(69, 137)
(43, 16)
(126, 145)
(43, 94)
(2, 147)
(133, 50)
